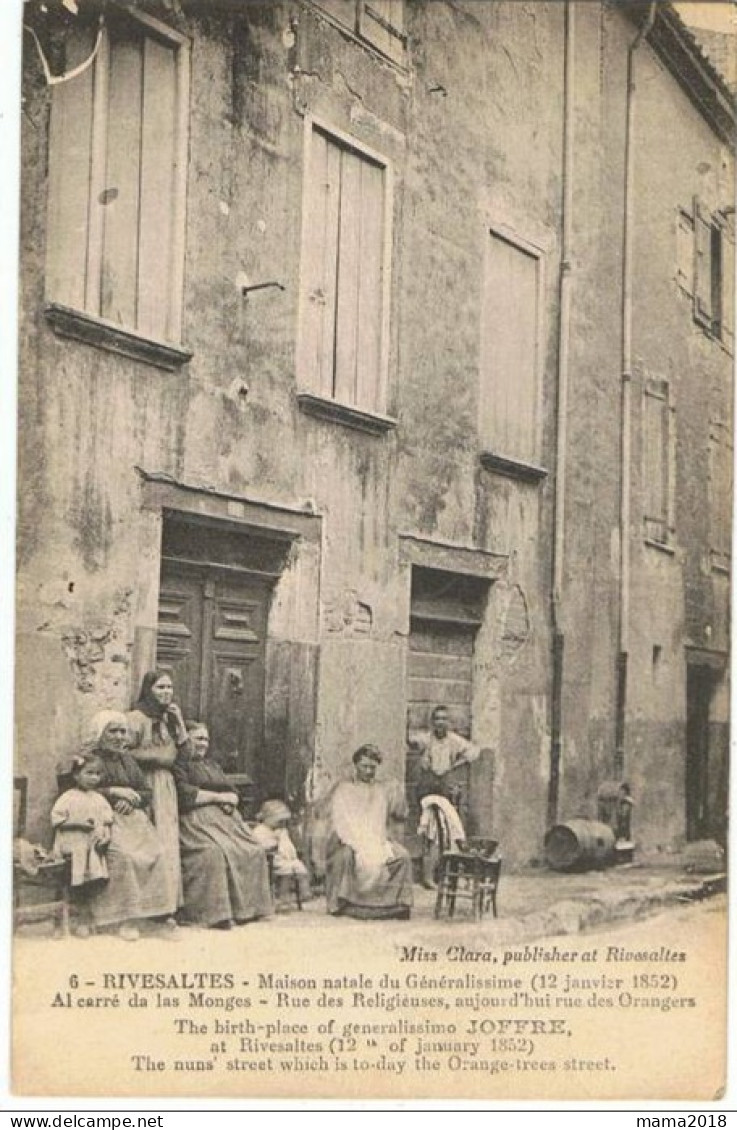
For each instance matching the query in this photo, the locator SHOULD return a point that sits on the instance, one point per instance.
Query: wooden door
(699, 688)
(440, 672)
(211, 638)
(446, 611)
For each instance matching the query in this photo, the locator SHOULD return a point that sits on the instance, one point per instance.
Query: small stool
(471, 873)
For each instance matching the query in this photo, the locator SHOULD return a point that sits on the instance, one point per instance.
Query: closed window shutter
(656, 459)
(728, 265)
(343, 277)
(685, 252)
(348, 268)
(509, 350)
(155, 231)
(369, 393)
(317, 337)
(720, 495)
(703, 277)
(382, 24)
(118, 199)
(70, 151)
(115, 187)
(359, 298)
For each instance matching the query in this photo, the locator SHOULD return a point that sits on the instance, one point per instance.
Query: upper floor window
(510, 348)
(346, 245)
(379, 22)
(117, 172)
(658, 462)
(705, 269)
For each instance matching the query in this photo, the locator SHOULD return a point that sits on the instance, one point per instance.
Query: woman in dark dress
(224, 872)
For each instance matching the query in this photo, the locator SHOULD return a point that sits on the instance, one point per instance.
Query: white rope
(54, 80)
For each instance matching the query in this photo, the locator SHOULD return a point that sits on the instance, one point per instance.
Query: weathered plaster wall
(473, 133)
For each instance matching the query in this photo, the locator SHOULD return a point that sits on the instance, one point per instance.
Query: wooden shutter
(137, 196)
(158, 135)
(509, 351)
(702, 267)
(656, 460)
(369, 314)
(348, 270)
(685, 252)
(112, 168)
(319, 265)
(342, 312)
(381, 22)
(117, 199)
(728, 296)
(720, 495)
(70, 152)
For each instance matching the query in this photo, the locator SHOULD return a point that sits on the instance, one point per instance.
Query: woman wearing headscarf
(224, 870)
(156, 731)
(137, 886)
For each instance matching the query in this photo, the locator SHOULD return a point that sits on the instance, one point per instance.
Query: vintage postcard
(375, 460)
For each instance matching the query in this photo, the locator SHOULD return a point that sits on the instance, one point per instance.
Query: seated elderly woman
(137, 887)
(367, 874)
(224, 871)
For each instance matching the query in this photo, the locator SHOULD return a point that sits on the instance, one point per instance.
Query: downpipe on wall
(620, 739)
(561, 439)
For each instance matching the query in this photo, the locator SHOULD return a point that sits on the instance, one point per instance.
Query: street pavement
(539, 902)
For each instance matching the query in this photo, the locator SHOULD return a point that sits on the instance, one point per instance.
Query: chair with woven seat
(470, 873)
(40, 886)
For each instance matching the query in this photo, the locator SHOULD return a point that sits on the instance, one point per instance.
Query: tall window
(510, 349)
(345, 273)
(117, 162)
(714, 275)
(720, 495)
(379, 22)
(658, 462)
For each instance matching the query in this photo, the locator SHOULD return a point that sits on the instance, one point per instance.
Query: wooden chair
(44, 892)
(470, 872)
(281, 883)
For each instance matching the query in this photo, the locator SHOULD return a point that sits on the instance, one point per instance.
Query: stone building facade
(378, 354)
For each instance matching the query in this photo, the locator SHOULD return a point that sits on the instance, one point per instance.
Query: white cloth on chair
(436, 810)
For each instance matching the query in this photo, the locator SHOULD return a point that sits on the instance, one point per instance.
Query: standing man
(442, 750)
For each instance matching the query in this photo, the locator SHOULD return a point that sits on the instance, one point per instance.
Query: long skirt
(391, 897)
(225, 874)
(166, 819)
(138, 882)
(88, 864)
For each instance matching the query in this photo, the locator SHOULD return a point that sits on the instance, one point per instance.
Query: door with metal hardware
(211, 638)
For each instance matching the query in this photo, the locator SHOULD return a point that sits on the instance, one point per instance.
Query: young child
(83, 819)
(272, 833)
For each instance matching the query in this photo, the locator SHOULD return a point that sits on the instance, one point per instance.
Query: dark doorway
(445, 615)
(699, 693)
(214, 598)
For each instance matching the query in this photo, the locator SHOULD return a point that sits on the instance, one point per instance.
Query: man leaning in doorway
(442, 751)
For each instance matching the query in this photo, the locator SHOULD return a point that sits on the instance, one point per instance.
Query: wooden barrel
(579, 845)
